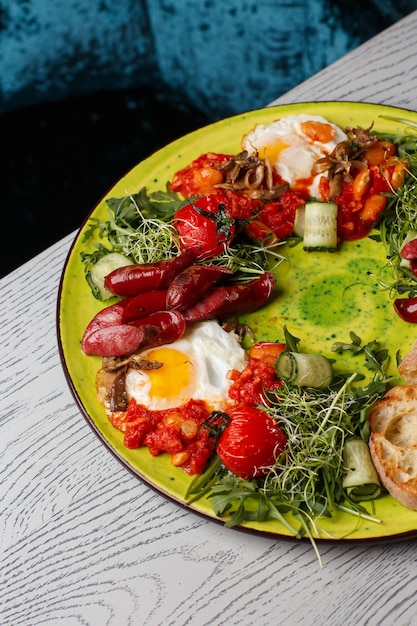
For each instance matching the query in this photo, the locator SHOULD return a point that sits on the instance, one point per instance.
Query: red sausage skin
(117, 340)
(132, 280)
(192, 284)
(144, 304)
(232, 300)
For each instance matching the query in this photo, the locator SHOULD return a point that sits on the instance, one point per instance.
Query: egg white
(200, 361)
(292, 154)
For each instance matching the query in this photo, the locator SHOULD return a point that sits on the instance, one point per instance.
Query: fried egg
(292, 145)
(194, 367)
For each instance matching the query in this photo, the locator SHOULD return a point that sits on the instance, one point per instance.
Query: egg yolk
(272, 150)
(176, 373)
(317, 131)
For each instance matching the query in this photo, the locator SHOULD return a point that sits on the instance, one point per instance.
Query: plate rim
(402, 536)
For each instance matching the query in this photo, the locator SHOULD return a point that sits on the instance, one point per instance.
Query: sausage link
(192, 284)
(232, 299)
(131, 280)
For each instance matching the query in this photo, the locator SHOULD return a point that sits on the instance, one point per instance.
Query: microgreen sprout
(399, 219)
(133, 231)
(305, 483)
(247, 260)
(139, 226)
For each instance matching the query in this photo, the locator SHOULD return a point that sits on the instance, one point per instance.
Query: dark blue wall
(223, 56)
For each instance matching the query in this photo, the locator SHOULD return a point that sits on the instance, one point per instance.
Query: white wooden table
(84, 542)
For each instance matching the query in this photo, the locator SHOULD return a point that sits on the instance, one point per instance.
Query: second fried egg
(293, 144)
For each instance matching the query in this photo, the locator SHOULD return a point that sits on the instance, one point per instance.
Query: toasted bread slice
(393, 443)
(408, 366)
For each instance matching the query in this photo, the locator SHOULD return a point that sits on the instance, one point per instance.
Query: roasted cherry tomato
(204, 227)
(250, 443)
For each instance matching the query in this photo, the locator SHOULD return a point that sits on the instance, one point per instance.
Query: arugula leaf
(305, 483)
(161, 205)
(375, 358)
(89, 259)
(291, 342)
(354, 347)
(138, 226)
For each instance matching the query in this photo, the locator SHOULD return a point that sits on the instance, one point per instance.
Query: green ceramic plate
(319, 301)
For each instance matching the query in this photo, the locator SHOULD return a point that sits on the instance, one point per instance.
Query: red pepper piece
(131, 280)
(144, 304)
(409, 251)
(232, 299)
(266, 351)
(260, 233)
(192, 284)
(406, 308)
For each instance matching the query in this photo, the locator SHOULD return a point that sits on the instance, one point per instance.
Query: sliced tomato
(250, 443)
(205, 226)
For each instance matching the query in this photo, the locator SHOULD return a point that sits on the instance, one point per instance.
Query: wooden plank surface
(85, 543)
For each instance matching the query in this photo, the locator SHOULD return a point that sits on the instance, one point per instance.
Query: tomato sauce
(248, 386)
(178, 432)
(356, 217)
(200, 176)
(354, 220)
(279, 215)
(181, 432)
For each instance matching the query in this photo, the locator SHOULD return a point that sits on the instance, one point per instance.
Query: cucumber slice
(304, 370)
(361, 479)
(101, 269)
(299, 222)
(320, 226)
